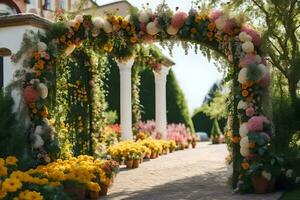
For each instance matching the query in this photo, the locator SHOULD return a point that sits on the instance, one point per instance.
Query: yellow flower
(30, 195)
(3, 171)
(11, 160)
(245, 165)
(211, 26)
(133, 39)
(2, 194)
(11, 184)
(108, 47)
(94, 187)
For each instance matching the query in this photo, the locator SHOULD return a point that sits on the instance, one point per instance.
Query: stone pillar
(160, 101)
(125, 98)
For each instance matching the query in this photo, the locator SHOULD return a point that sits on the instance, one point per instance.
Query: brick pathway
(193, 174)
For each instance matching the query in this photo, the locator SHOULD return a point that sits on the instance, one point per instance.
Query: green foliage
(215, 130)
(13, 139)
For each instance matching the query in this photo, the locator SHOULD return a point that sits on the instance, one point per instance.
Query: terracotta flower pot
(77, 192)
(193, 145)
(153, 155)
(262, 185)
(136, 163)
(104, 189)
(94, 195)
(129, 164)
(171, 151)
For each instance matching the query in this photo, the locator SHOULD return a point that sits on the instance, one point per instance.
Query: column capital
(161, 75)
(125, 64)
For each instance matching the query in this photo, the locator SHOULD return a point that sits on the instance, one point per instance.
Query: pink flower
(228, 26)
(13, 58)
(30, 95)
(178, 19)
(256, 123)
(256, 38)
(248, 59)
(264, 82)
(143, 27)
(250, 111)
(47, 56)
(214, 15)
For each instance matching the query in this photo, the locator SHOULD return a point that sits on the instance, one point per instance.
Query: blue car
(203, 137)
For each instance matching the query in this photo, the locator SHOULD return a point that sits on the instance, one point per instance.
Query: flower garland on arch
(119, 35)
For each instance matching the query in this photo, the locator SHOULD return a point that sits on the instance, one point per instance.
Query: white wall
(11, 38)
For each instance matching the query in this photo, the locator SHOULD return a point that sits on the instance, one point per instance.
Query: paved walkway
(193, 174)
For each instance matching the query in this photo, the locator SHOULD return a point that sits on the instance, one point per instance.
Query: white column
(125, 98)
(160, 101)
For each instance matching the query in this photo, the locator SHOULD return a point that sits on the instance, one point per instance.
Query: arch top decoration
(118, 36)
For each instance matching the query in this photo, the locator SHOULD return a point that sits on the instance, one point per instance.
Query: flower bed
(63, 179)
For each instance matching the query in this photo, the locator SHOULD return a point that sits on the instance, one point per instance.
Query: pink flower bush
(148, 127)
(179, 133)
(250, 111)
(215, 15)
(256, 123)
(178, 19)
(256, 38)
(248, 59)
(30, 95)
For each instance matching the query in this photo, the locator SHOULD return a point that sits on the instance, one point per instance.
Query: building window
(1, 71)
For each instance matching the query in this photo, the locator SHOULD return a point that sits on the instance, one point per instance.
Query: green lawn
(291, 195)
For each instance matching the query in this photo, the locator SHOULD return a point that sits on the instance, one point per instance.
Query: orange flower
(77, 25)
(252, 145)
(69, 43)
(62, 39)
(250, 98)
(41, 62)
(133, 39)
(250, 83)
(198, 19)
(108, 47)
(209, 34)
(44, 112)
(245, 165)
(124, 24)
(245, 93)
(244, 86)
(235, 139)
(117, 27)
(211, 26)
(193, 30)
(36, 55)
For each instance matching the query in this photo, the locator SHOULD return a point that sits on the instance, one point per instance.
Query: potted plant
(74, 189)
(194, 141)
(265, 165)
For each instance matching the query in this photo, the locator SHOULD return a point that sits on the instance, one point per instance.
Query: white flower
(152, 29)
(43, 90)
(143, 16)
(244, 143)
(38, 130)
(289, 173)
(258, 58)
(243, 129)
(41, 46)
(171, 30)
(38, 142)
(243, 75)
(33, 81)
(267, 175)
(98, 22)
(242, 105)
(244, 37)
(245, 152)
(220, 22)
(263, 70)
(297, 180)
(248, 47)
(107, 27)
(79, 18)
(71, 23)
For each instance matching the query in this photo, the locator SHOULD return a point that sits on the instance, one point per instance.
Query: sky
(194, 72)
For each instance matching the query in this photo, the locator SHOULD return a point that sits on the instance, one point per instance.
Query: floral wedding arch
(116, 35)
